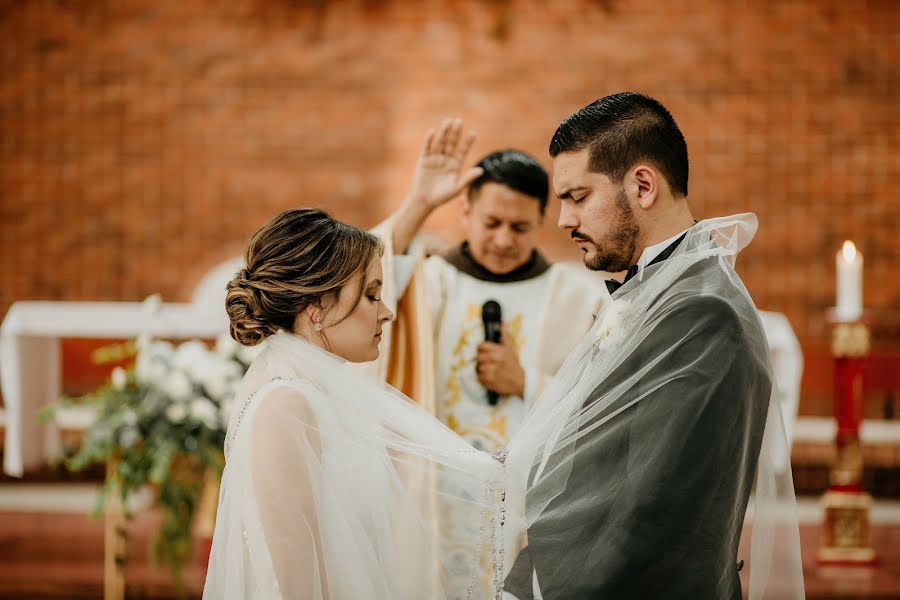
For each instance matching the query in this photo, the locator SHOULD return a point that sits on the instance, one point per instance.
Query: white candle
(849, 282)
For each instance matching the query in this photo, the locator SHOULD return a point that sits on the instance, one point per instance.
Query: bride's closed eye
(373, 290)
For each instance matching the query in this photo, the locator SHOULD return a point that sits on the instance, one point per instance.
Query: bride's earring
(318, 325)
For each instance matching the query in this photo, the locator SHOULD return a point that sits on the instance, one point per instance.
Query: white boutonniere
(611, 323)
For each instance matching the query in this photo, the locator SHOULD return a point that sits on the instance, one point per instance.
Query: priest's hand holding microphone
(497, 362)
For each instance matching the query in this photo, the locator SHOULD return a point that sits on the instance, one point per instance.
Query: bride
(333, 484)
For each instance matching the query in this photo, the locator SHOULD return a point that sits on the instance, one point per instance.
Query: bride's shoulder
(276, 404)
(283, 424)
(287, 398)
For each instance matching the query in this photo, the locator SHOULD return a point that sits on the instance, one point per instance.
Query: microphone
(491, 316)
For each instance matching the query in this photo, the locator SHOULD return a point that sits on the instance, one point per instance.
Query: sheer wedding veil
(612, 367)
(361, 476)
(334, 486)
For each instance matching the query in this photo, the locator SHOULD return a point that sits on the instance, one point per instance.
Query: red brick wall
(141, 142)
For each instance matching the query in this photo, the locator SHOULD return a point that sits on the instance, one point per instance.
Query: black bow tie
(612, 285)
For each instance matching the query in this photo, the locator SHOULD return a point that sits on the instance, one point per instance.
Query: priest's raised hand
(437, 179)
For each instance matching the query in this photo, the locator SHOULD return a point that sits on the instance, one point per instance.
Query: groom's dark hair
(516, 170)
(621, 130)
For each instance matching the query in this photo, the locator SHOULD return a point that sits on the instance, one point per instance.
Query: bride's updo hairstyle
(298, 258)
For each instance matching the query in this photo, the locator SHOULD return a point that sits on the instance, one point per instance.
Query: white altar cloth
(30, 359)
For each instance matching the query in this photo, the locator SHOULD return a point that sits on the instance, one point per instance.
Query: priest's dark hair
(516, 170)
(621, 130)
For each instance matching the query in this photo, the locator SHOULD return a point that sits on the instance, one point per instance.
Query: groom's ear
(646, 182)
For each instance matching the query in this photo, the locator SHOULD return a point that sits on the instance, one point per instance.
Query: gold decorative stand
(114, 539)
(845, 529)
(206, 515)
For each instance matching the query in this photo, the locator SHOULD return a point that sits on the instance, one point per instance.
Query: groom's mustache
(577, 235)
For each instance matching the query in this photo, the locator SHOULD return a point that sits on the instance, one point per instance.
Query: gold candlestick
(845, 529)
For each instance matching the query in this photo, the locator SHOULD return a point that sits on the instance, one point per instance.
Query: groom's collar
(658, 252)
(651, 255)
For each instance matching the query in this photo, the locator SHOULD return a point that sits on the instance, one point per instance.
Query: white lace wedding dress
(334, 485)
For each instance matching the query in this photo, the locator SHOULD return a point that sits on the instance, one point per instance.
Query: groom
(657, 494)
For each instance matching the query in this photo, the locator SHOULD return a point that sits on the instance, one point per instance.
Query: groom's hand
(498, 368)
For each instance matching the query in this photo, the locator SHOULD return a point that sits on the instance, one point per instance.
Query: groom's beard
(617, 251)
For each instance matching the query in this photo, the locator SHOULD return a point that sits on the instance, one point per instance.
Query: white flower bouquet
(162, 422)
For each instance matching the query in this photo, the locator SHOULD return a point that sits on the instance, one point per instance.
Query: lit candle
(849, 282)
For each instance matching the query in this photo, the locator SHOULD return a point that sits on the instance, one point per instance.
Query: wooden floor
(881, 582)
(60, 555)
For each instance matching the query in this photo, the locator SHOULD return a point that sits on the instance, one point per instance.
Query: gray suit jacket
(702, 433)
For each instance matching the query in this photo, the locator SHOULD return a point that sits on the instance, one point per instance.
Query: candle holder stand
(845, 536)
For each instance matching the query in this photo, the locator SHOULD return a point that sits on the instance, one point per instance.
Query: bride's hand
(438, 176)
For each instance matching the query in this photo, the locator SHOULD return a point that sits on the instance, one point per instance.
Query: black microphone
(491, 315)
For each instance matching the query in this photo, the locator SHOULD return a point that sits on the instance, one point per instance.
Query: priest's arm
(406, 360)
(438, 178)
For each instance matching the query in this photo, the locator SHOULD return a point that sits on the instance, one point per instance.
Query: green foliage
(156, 433)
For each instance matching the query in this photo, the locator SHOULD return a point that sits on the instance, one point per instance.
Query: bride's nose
(386, 316)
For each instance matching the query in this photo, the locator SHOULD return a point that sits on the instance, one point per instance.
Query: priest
(437, 352)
